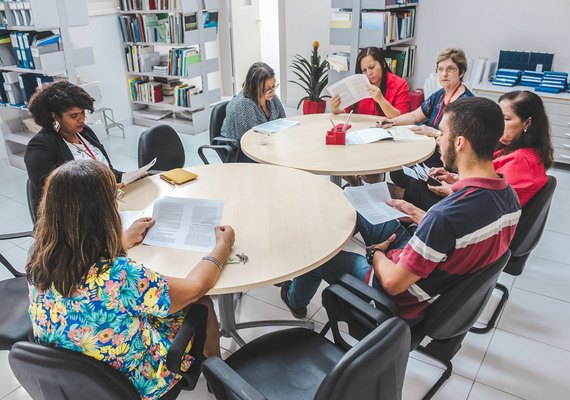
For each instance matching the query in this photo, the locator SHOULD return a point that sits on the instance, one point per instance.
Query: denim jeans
(304, 287)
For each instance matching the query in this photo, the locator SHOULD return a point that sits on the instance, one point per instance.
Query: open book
(274, 126)
(396, 133)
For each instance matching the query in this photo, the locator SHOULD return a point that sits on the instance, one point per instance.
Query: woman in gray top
(254, 105)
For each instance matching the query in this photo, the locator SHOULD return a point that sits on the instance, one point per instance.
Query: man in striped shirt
(459, 235)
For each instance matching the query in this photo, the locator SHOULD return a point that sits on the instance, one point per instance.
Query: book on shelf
(211, 19)
(401, 60)
(341, 19)
(183, 95)
(180, 60)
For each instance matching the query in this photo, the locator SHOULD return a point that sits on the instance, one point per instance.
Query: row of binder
(27, 48)
(17, 88)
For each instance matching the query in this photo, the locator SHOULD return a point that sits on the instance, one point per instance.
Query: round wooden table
(303, 147)
(287, 222)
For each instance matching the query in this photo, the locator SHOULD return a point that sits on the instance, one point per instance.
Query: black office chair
(161, 141)
(227, 149)
(48, 373)
(302, 364)
(528, 234)
(447, 319)
(33, 200)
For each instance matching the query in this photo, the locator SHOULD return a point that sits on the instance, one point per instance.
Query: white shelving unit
(40, 15)
(557, 108)
(197, 73)
(355, 37)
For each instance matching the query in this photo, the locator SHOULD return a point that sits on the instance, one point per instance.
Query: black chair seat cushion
(15, 322)
(300, 357)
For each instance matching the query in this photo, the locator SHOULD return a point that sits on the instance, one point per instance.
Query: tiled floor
(525, 357)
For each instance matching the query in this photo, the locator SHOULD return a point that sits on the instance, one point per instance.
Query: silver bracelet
(214, 260)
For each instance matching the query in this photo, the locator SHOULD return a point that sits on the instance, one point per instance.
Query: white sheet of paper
(410, 172)
(276, 125)
(351, 89)
(128, 217)
(402, 133)
(186, 224)
(370, 202)
(131, 176)
(368, 135)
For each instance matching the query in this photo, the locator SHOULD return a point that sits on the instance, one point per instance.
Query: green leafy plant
(312, 75)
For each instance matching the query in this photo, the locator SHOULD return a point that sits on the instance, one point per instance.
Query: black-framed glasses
(271, 89)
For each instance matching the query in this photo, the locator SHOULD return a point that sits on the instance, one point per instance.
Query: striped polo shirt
(461, 234)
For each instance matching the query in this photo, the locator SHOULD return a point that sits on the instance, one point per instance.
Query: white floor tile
(19, 224)
(18, 394)
(545, 277)
(490, 309)
(562, 175)
(8, 382)
(561, 197)
(420, 377)
(553, 246)
(483, 392)
(559, 220)
(17, 257)
(525, 368)
(12, 209)
(537, 317)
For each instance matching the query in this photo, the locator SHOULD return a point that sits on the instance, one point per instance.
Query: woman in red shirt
(389, 94)
(523, 154)
(389, 97)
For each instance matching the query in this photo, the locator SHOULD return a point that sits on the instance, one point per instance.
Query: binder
(6, 52)
(43, 45)
(28, 85)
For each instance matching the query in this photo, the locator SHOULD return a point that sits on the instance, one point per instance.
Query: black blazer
(47, 150)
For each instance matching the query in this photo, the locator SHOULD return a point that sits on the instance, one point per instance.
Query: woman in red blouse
(389, 97)
(389, 94)
(523, 154)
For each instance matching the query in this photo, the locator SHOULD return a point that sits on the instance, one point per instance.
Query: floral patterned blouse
(119, 315)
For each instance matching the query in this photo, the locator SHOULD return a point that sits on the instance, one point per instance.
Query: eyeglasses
(271, 89)
(449, 70)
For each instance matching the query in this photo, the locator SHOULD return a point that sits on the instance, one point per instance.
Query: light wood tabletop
(286, 221)
(303, 147)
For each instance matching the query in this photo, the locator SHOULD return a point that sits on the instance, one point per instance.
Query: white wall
(481, 28)
(269, 37)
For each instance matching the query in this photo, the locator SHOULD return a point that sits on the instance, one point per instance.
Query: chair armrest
(228, 149)
(368, 294)
(225, 140)
(222, 378)
(4, 261)
(193, 329)
(361, 317)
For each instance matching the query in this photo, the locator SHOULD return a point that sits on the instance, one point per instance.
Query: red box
(337, 135)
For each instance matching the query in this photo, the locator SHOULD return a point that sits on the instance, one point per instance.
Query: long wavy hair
(537, 136)
(78, 224)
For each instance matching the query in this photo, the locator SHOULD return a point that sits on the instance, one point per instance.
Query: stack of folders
(341, 19)
(24, 43)
(339, 61)
(553, 82)
(531, 78)
(507, 77)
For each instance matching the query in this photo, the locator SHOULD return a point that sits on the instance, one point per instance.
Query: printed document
(186, 224)
(351, 90)
(402, 133)
(370, 202)
(128, 217)
(368, 135)
(131, 176)
(276, 125)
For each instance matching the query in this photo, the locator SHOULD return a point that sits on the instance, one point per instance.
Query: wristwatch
(370, 254)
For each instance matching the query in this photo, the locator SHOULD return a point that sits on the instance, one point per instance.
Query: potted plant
(312, 78)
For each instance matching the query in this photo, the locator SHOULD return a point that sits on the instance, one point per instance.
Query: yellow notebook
(178, 176)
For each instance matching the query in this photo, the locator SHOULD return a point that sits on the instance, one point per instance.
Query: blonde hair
(457, 56)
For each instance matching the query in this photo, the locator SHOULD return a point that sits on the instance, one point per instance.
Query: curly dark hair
(57, 98)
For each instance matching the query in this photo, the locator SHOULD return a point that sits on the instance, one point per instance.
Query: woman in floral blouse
(86, 295)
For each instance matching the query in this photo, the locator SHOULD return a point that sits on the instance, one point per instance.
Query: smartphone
(432, 181)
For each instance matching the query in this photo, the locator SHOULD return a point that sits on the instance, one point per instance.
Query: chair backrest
(33, 199)
(217, 119)
(459, 307)
(530, 227)
(161, 141)
(15, 323)
(56, 374)
(374, 368)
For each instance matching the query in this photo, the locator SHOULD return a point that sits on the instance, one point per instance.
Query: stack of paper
(370, 202)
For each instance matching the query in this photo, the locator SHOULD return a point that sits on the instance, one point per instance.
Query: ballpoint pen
(333, 124)
(346, 122)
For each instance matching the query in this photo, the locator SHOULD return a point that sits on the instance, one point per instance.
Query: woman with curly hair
(59, 108)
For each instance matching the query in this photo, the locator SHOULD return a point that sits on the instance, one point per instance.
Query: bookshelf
(557, 108)
(167, 61)
(378, 23)
(19, 78)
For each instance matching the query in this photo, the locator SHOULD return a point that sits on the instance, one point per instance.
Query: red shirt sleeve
(397, 93)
